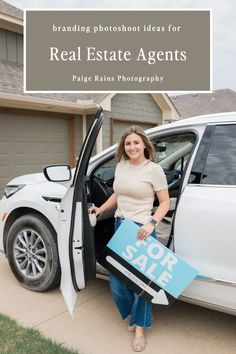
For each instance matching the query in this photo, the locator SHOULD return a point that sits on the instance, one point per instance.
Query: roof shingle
(205, 103)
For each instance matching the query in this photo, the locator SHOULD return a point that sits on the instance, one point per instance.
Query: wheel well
(17, 213)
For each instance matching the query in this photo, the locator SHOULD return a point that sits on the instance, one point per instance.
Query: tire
(32, 253)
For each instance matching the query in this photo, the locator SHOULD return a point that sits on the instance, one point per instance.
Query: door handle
(93, 219)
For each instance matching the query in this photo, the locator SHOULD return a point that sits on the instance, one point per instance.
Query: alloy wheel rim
(30, 254)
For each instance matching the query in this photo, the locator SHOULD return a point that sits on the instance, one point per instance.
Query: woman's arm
(164, 205)
(110, 203)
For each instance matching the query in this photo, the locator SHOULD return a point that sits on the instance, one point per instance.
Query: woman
(137, 180)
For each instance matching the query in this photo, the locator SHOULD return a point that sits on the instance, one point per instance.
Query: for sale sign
(148, 267)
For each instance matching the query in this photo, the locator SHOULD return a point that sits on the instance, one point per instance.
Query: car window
(107, 171)
(220, 167)
(172, 155)
(173, 151)
(180, 164)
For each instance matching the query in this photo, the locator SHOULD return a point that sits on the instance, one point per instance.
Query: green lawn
(15, 339)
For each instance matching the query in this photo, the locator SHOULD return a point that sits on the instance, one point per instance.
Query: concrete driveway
(96, 327)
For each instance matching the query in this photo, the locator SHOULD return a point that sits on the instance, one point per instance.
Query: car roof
(217, 118)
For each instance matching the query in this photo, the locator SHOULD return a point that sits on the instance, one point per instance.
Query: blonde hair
(149, 151)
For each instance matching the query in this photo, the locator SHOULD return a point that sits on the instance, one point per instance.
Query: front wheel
(32, 253)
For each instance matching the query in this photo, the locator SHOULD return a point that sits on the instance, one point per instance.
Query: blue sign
(150, 258)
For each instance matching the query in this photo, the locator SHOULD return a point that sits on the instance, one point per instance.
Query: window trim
(202, 150)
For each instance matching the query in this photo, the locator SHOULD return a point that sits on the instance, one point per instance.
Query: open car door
(75, 234)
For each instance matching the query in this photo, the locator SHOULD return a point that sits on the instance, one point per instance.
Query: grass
(15, 339)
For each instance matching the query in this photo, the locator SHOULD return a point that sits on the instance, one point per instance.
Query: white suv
(199, 158)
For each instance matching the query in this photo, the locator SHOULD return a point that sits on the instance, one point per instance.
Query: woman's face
(134, 147)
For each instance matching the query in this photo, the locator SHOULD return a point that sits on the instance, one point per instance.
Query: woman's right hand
(95, 210)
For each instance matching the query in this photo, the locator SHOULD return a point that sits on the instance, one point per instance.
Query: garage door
(27, 143)
(120, 126)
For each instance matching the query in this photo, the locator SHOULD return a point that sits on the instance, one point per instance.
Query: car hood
(33, 178)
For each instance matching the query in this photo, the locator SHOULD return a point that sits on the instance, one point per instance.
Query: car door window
(106, 171)
(172, 155)
(171, 149)
(180, 164)
(220, 167)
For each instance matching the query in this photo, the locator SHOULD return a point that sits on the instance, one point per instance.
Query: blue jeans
(128, 302)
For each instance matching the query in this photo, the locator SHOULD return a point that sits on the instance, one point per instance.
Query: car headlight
(10, 190)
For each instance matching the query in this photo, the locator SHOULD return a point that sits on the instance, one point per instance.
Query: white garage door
(120, 126)
(27, 143)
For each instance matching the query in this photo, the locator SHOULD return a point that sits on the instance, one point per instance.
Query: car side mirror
(57, 173)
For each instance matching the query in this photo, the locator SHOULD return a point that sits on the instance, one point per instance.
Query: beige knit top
(135, 187)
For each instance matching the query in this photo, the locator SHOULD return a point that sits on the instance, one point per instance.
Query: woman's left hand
(145, 231)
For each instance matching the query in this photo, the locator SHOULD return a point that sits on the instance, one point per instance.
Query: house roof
(10, 10)
(205, 103)
(11, 82)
